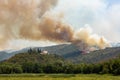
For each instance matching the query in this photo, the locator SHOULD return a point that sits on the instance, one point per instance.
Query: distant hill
(5, 55)
(97, 56)
(62, 50)
(70, 53)
(9, 53)
(115, 44)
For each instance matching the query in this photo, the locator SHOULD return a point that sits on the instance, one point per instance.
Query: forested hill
(35, 58)
(34, 62)
(97, 56)
(62, 50)
(69, 52)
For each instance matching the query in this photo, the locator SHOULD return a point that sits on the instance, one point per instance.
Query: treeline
(110, 67)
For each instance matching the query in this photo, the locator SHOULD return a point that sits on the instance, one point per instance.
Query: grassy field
(57, 77)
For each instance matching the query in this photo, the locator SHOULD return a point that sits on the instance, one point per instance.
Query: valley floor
(57, 77)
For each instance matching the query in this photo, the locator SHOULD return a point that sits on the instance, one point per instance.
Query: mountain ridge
(56, 49)
(71, 53)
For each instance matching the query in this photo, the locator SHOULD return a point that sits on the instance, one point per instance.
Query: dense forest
(52, 63)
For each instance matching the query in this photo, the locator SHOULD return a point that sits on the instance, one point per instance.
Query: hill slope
(71, 53)
(97, 56)
(34, 58)
(62, 50)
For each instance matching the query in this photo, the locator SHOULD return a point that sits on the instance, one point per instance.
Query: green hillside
(63, 50)
(68, 51)
(72, 53)
(34, 58)
(96, 56)
(34, 62)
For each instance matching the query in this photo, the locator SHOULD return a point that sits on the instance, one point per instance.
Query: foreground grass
(57, 77)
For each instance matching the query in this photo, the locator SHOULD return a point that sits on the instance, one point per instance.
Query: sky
(101, 15)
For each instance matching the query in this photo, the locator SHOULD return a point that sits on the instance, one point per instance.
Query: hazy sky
(102, 16)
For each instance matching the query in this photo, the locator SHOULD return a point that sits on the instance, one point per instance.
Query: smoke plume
(33, 20)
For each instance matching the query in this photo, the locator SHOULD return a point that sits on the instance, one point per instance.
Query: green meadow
(57, 77)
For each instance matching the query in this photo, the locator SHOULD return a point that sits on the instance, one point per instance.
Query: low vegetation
(58, 77)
